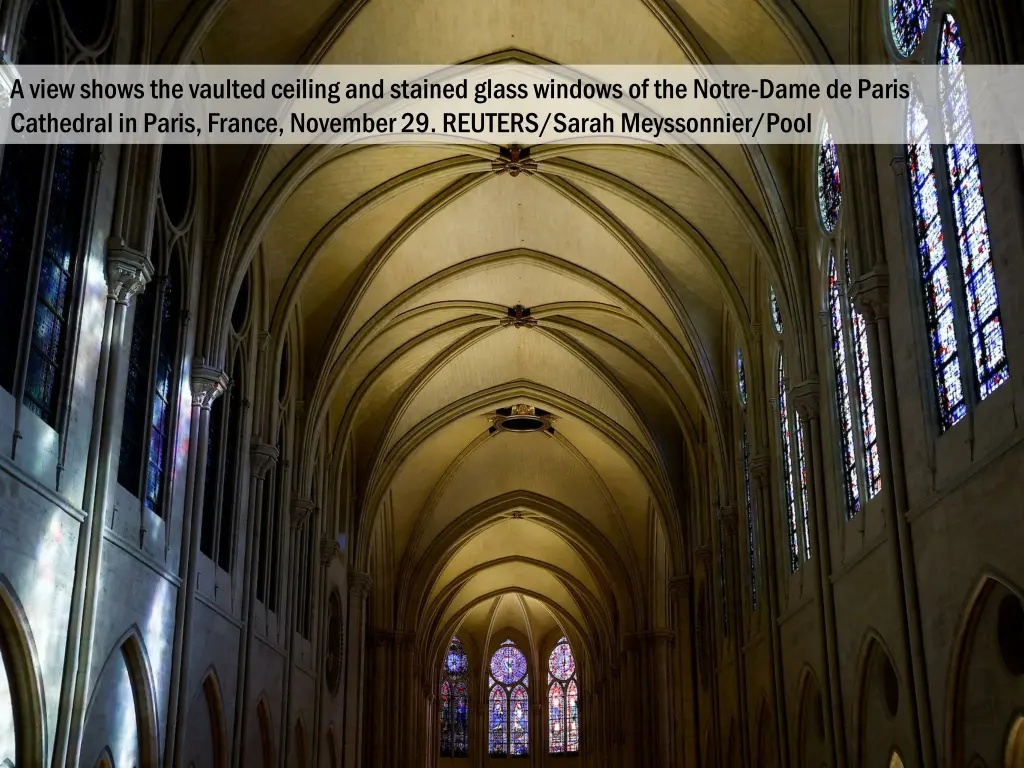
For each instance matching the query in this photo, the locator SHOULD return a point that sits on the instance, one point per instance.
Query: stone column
(262, 457)
(207, 385)
(730, 526)
(358, 591)
(302, 509)
(760, 469)
(328, 550)
(686, 720)
(807, 400)
(871, 295)
(127, 274)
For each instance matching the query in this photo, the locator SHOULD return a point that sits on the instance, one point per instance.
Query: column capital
(730, 518)
(328, 549)
(870, 293)
(359, 584)
(301, 509)
(128, 271)
(756, 332)
(704, 553)
(208, 384)
(680, 585)
(806, 398)
(760, 467)
(262, 456)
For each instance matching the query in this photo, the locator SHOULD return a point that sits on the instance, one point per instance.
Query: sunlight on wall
(158, 633)
(124, 742)
(47, 598)
(896, 761)
(7, 745)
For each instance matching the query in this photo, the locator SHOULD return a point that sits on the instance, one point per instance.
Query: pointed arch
(333, 758)
(215, 706)
(978, 600)
(1015, 744)
(878, 687)
(19, 658)
(301, 752)
(266, 725)
(812, 751)
(105, 760)
(766, 748)
(140, 674)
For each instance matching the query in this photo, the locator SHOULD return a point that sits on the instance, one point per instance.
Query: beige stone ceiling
(397, 263)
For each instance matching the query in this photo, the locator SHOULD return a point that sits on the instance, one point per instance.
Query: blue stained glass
(741, 377)
(446, 719)
(932, 262)
(990, 364)
(787, 469)
(456, 662)
(497, 732)
(509, 728)
(572, 736)
(556, 719)
(455, 702)
(773, 303)
(460, 737)
(851, 486)
(519, 716)
(751, 544)
(805, 482)
(908, 19)
(508, 665)
(563, 729)
(830, 195)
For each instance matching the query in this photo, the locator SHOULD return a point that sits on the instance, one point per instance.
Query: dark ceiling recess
(522, 418)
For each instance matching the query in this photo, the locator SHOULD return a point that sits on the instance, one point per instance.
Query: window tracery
(455, 702)
(509, 703)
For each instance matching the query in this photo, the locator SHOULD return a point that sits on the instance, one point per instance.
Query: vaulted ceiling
(397, 265)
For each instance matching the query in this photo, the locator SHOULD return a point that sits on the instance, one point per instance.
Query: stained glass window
(786, 444)
(509, 703)
(932, 262)
(773, 303)
(563, 701)
(741, 377)
(805, 481)
(830, 196)
(908, 20)
(848, 453)
(865, 391)
(968, 201)
(455, 702)
(751, 543)
(60, 257)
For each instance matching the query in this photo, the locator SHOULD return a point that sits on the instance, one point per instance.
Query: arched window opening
(854, 403)
(961, 300)
(455, 702)
(795, 496)
(830, 195)
(773, 306)
(44, 192)
(270, 527)
(940, 315)
(908, 19)
(741, 378)
(509, 703)
(968, 201)
(563, 701)
(749, 506)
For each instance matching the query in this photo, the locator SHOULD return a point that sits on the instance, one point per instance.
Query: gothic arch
(266, 726)
(982, 607)
(880, 697)
(333, 760)
(300, 751)
(19, 658)
(810, 743)
(767, 750)
(140, 673)
(1015, 744)
(215, 705)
